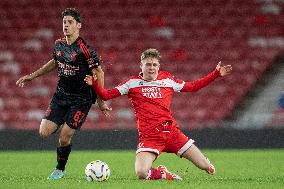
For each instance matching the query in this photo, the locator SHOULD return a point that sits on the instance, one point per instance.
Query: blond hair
(151, 53)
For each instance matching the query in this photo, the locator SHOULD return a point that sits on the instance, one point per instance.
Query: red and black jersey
(74, 61)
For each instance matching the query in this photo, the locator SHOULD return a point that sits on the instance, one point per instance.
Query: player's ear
(79, 25)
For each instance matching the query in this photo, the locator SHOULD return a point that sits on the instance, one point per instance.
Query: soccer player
(151, 93)
(68, 109)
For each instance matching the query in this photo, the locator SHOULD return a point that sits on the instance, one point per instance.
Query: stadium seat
(203, 33)
(277, 119)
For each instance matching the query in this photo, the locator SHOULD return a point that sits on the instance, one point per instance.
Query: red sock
(154, 174)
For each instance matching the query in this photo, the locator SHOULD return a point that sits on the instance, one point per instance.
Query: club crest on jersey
(151, 92)
(74, 56)
(140, 83)
(59, 53)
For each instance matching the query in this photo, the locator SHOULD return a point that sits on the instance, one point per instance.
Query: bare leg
(64, 148)
(198, 159)
(143, 163)
(46, 128)
(66, 135)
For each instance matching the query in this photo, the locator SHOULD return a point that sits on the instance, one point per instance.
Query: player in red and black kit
(73, 98)
(151, 94)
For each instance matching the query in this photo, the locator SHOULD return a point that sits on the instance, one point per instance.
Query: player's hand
(104, 108)
(224, 70)
(24, 80)
(101, 60)
(89, 79)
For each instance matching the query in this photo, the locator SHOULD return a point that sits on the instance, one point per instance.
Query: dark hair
(152, 53)
(72, 12)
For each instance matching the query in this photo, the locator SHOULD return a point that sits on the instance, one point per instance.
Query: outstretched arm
(200, 83)
(46, 68)
(103, 93)
(98, 72)
(224, 70)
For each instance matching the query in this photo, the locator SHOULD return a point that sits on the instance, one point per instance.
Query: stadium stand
(277, 118)
(193, 36)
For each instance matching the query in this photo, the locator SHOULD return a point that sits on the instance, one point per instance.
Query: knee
(142, 173)
(64, 141)
(43, 133)
(46, 128)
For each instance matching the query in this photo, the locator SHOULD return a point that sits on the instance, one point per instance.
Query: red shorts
(164, 138)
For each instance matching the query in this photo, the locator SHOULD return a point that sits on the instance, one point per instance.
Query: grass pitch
(235, 169)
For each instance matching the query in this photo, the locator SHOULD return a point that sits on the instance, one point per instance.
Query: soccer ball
(97, 170)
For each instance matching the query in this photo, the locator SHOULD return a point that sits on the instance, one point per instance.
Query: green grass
(235, 169)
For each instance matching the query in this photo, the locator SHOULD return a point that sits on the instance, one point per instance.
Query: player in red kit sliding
(151, 93)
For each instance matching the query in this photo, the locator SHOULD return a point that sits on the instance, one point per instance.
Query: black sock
(62, 156)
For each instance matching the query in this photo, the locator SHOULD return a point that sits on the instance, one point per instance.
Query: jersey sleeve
(90, 54)
(93, 59)
(56, 51)
(200, 83)
(105, 94)
(54, 56)
(176, 84)
(123, 87)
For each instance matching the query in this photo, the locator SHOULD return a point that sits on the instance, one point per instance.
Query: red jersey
(151, 100)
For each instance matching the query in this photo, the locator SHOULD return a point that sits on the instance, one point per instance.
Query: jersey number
(78, 117)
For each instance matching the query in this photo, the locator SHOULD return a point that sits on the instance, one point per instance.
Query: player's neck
(149, 79)
(72, 38)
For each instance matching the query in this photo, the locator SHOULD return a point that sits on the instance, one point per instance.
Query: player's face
(150, 68)
(70, 26)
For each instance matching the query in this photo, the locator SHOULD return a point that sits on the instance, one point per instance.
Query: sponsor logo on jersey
(66, 69)
(151, 92)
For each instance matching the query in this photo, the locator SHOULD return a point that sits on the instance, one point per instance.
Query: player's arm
(102, 93)
(99, 73)
(200, 83)
(46, 68)
(94, 63)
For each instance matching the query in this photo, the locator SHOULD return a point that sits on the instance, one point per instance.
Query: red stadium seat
(203, 33)
(277, 120)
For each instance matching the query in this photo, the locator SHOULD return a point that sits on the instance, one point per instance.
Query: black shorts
(70, 110)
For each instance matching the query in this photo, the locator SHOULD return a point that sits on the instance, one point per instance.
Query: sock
(154, 174)
(62, 156)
